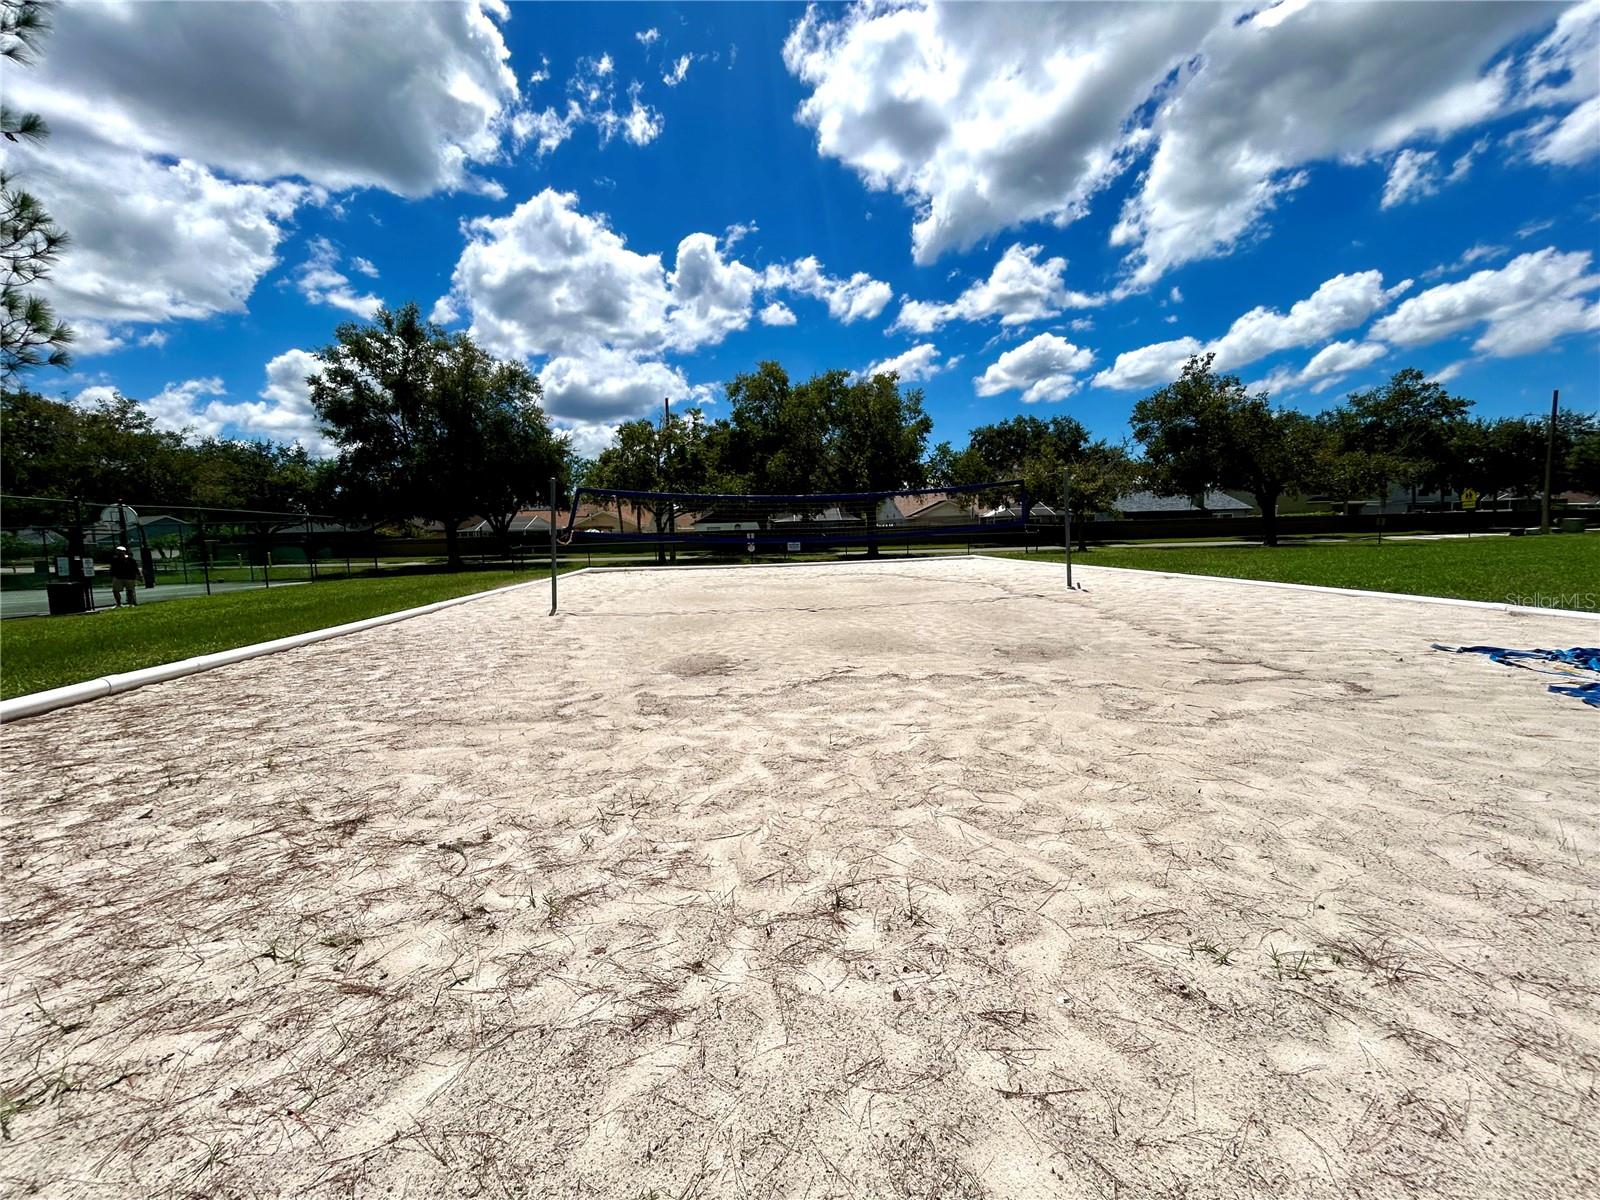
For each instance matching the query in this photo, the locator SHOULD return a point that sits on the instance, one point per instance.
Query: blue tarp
(1568, 662)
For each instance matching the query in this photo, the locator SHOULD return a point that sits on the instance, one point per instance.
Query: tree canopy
(429, 425)
(30, 242)
(1206, 431)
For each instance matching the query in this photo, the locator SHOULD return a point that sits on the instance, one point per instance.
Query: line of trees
(429, 425)
(1203, 432)
(111, 450)
(832, 433)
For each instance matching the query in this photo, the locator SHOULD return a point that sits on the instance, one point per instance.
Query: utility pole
(1549, 462)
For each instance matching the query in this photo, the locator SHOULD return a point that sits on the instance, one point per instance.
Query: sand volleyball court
(911, 879)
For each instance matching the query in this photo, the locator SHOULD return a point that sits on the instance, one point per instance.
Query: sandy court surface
(901, 880)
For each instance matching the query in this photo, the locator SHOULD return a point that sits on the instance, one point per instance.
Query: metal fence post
(205, 555)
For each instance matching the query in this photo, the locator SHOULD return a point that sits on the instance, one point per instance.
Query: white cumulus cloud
(1340, 303)
(550, 282)
(152, 241)
(1019, 290)
(591, 100)
(608, 385)
(1327, 368)
(321, 282)
(1318, 82)
(1519, 308)
(679, 70)
(1149, 366)
(1045, 368)
(1572, 140)
(263, 92)
(984, 116)
(918, 363)
(856, 298)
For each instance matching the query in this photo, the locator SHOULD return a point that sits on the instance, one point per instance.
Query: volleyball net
(797, 524)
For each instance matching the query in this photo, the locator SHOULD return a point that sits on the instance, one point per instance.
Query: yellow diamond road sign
(1469, 499)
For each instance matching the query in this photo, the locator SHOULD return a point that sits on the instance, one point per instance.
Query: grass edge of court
(33, 704)
(48, 700)
(1364, 593)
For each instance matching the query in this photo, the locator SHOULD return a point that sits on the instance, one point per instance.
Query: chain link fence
(55, 552)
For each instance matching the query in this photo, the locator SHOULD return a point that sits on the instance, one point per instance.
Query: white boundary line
(884, 560)
(36, 703)
(1525, 609)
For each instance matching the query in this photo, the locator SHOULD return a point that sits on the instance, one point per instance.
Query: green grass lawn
(1557, 571)
(46, 652)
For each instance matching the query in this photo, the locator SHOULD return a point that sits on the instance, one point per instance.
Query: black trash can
(69, 596)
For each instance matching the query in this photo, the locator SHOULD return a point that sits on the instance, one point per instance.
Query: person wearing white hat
(124, 577)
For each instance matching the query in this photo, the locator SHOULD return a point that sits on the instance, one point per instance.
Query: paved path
(33, 602)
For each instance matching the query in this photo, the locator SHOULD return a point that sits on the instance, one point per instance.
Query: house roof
(1149, 502)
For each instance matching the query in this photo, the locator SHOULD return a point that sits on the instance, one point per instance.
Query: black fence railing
(182, 550)
(185, 551)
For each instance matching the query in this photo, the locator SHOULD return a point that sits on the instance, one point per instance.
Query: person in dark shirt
(124, 577)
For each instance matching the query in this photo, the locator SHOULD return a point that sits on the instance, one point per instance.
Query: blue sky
(1040, 208)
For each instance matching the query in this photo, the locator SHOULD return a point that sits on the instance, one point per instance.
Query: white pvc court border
(36, 703)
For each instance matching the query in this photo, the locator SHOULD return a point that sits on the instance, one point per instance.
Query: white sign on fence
(794, 546)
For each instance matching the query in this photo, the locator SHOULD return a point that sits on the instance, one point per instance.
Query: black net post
(1066, 519)
(552, 545)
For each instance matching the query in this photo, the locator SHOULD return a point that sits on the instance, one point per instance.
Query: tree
(875, 439)
(1344, 475)
(631, 464)
(30, 242)
(108, 451)
(1508, 454)
(951, 469)
(1028, 448)
(1581, 464)
(261, 475)
(776, 440)
(429, 425)
(495, 445)
(876, 432)
(1099, 475)
(1205, 431)
(1006, 446)
(1408, 428)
